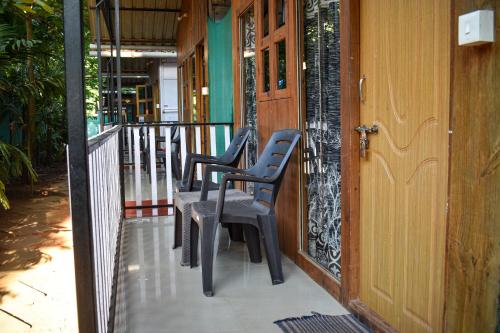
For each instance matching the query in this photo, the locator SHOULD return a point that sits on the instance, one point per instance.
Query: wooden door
(405, 58)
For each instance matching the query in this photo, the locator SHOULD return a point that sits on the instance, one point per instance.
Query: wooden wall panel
(191, 29)
(473, 270)
(274, 115)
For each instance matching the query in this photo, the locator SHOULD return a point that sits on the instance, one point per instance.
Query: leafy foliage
(12, 163)
(31, 43)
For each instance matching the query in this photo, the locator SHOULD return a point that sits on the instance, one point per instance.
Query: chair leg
(207, 255)
(194, 244)
(235, 232)
(177, 229)
(253, 242)
(270, 234)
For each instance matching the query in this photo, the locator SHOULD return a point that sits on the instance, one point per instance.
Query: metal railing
(155, 153)
(139, 162)
(106, 219)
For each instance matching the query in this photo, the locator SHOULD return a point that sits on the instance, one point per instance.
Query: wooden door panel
(405, 58)
(273, 115)
(378, 236)
(418, 233)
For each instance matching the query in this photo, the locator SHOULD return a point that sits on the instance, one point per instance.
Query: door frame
(347, 290)
(350, 53)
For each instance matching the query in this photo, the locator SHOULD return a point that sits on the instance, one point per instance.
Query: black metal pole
(78, 167)
(118, 61)
(108, 87)
(119, 99)
(112, 80)
(99, 63)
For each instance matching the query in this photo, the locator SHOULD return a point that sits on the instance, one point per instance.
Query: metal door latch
(363, 130)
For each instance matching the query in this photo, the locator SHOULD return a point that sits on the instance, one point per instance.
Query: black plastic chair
(257, 218)
(230, 158)
(176, 152)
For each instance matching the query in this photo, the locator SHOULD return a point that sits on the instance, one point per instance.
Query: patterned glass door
(321, 110)
(248, 84)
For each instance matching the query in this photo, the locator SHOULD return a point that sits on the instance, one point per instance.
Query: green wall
(220, 74)
(5, 135)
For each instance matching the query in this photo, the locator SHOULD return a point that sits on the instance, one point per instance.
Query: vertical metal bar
(197, 131)
(118, 61)
(111, 113)
(129, 143)
(168, 166)
(227, 136)
(99, 63)
(183, 147)
(78, 167)
(137, 171)
(213, 148)
(108, 87)
(121, 162)
(152, 163)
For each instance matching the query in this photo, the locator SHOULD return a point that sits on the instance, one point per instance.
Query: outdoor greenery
(31, 88)
(33, 127)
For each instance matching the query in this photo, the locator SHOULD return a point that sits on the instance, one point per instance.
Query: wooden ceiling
(142, 22)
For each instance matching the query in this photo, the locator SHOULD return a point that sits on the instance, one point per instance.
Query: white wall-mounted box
(476, 28)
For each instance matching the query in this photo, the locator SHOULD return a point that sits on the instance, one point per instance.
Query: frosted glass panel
(322, 113)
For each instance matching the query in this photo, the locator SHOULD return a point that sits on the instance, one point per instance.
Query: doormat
(319, 323)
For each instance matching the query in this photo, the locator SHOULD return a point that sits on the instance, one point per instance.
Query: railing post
(152, 167)
(137, 171)
(213, 148)
(78, 167)
(168, 166)
(99, 64)
(198, 150)
(118, 61)
(121, 161)
(183, 147)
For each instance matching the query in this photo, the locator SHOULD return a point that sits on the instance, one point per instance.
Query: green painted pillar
(220, 74)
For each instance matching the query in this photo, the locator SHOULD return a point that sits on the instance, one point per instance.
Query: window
(271, 42)
(280, 13)
(267, 80)
(194, 109)
(265, 18)
(281, 52)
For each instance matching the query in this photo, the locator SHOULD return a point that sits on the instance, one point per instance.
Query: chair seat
(233, 212)
(180, 186)
(182, 199)
(183, 202)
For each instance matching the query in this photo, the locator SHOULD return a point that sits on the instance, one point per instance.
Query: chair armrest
(191, 160)
(245, 177)
(235, 176)
(216, 168)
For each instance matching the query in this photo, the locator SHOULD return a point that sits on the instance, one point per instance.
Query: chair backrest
(232, 155)
(272, 163)
(175, 134)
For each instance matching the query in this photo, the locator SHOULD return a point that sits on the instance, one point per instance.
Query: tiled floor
(145, 184)
(163, 296)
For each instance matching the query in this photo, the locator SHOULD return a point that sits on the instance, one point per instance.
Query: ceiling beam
(93, 47)
(143, 9)
(127, 42)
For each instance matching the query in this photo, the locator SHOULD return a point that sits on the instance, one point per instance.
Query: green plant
(32, 77)
(12, 163)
